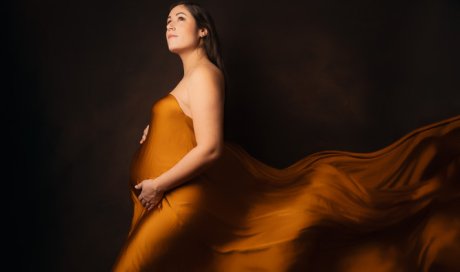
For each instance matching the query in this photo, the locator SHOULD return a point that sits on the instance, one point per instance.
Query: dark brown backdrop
(304, 77)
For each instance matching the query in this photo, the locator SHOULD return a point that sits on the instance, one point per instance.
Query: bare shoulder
(208, 69)
(207, 77)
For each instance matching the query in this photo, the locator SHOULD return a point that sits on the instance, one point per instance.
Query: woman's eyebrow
(178, 14)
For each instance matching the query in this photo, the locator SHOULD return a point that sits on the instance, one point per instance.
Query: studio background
(304, 76)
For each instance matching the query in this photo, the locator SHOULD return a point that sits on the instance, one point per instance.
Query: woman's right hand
(144, 136)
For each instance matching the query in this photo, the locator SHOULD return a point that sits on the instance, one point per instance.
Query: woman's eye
(180, 18)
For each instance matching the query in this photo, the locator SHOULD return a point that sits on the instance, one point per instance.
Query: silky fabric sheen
(394, 209)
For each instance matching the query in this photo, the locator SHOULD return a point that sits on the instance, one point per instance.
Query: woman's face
(181, 30)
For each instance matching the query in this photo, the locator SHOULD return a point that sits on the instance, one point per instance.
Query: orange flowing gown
(395, 209)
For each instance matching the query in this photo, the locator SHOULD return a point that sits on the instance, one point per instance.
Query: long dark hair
(211, 40)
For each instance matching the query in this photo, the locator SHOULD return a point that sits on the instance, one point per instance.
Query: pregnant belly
(146, 165)
(153, 158)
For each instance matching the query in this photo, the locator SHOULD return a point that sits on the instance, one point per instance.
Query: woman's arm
(206, 99)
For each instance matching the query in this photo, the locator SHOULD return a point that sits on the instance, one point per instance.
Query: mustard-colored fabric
(395, 209)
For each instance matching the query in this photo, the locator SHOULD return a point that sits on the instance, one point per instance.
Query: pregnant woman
(205, 204)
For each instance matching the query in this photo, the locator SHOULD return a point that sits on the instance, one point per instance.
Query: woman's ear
(204, 32)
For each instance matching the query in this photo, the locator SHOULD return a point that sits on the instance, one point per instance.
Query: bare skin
(200, 94)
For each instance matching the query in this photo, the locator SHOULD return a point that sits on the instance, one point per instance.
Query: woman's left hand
(150, 195)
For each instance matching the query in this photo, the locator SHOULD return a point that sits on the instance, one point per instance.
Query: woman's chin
(174, 50)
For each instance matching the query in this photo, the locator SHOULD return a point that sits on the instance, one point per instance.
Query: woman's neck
(192, 60)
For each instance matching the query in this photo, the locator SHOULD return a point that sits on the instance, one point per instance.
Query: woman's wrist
(158, 185)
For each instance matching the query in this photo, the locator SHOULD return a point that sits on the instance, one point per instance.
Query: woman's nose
(171, 27)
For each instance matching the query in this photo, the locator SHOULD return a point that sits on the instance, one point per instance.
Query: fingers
(144, 136)
(150, 206)
(148, 201)
(143, 201)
